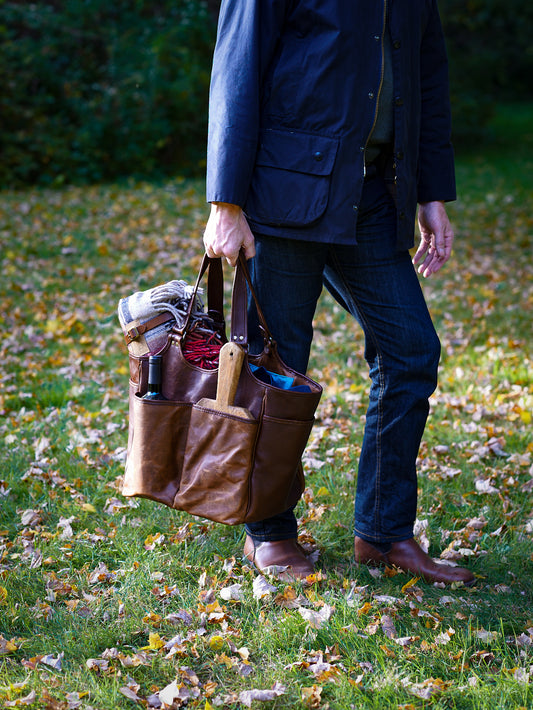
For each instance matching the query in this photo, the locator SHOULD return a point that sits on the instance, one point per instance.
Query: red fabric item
(201, 348)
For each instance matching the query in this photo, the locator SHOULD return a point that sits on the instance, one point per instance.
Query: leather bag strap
(239, 298)
(215, 291)
(239, 305)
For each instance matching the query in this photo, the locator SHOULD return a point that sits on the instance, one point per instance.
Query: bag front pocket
(217, 466)
(280, 445)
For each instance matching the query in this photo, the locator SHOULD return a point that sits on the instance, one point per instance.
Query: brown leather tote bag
(228, 468)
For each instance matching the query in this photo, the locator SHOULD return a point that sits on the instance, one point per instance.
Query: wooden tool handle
(229, 370)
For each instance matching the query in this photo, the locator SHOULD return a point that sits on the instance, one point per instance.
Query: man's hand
(226, 232)
(436, 238)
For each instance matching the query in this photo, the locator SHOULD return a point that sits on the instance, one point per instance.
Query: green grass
(106, 581)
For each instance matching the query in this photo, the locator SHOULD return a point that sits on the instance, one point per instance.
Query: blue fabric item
(293, 100)
(271, 378)
(281, 381)
(379, 286)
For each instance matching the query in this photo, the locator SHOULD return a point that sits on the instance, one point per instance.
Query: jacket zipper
(380, 80)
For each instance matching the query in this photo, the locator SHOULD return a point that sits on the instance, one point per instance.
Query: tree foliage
(95, 90)
(491, 58)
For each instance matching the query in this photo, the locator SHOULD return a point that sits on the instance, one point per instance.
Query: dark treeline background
(96, 90)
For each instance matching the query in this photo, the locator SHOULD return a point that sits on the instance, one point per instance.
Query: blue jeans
(378, 285)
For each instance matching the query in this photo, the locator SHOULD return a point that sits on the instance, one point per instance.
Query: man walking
(329, 122)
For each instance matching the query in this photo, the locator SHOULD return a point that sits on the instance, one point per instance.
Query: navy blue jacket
(293, 101)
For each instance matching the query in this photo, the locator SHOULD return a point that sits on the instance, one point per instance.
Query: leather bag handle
(239, 305)
(215, 292)
(239, 298)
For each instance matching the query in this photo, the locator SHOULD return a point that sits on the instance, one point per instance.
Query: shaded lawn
(106, 601)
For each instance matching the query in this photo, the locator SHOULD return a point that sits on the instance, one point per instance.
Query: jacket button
(318, 156)
(398, 101)
(397, 44)
(400, 155)
(370, 94)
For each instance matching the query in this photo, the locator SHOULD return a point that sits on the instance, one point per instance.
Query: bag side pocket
(157, 444)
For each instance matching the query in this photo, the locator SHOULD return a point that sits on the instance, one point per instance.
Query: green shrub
(491, 58)
(96, 90)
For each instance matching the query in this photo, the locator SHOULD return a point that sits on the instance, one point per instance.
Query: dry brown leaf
(19, 702)
(262, 588)
(316, 619)
(247, 697)
(387, 624)
(312, 697)
(234, 593)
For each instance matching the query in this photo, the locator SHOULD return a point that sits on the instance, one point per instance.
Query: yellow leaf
(323, 491)
(53, 325)
(216, 643)
(525, 417)
(153, 619)
(155, 642)
(6, 646)
(225, 659)
(3, 595)
(410, 584)
(364, 609)
(88, 507)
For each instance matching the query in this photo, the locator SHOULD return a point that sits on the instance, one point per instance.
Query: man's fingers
(422, 249)
(440, 246)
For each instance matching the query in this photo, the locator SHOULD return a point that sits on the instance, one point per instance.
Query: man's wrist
(226, 206)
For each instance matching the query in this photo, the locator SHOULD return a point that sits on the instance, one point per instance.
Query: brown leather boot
(408, 556)
(285, 559)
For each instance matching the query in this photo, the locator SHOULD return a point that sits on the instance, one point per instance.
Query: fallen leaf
(262, 588)
(312, 697)
(409, 584)
(129, 693)
(155, 642)
(232, 593)
(88, 508)
(19, 702)
(427, 688)
(444, 637)
(522, 676)
(216, 642)
(487, 636)
(316, 619)
(54, 663)
(74, 700)
(387, 624)
(6, 646)
(247, 697)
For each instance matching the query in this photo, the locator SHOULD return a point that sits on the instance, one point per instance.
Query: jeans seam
(369, 329)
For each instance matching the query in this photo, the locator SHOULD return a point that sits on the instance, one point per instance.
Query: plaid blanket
(146, 317)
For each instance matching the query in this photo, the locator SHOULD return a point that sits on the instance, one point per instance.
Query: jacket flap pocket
(299, 152)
